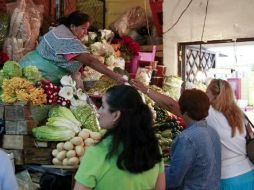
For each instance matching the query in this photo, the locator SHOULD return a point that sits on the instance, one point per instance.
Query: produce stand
(28, 113)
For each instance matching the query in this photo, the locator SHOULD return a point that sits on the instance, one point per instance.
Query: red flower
(128, 47)
(3, 58)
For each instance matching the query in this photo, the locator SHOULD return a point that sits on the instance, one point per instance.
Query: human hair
(133, 131)
(76, 18)
(224, 102)
(195, 103)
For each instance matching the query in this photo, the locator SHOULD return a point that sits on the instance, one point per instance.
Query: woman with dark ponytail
(128, 157)
(60, 51)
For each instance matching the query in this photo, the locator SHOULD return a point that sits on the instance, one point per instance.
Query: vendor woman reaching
(60, 51)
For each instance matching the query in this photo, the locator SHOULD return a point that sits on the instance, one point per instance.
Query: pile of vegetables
(167, 127)
(18, 84)
(20, 89)
(101, 85)
(61, 126)
(52, 91)
(70, 153)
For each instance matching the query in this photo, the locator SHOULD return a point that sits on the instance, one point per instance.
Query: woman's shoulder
(5, 160)
(3, 155)
(60, 32)
(215, 115)
(103, 145)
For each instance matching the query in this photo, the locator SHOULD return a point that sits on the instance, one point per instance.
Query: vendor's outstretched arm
(91, 61)
(164, 101)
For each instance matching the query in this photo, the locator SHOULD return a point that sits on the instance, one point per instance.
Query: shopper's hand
(139, 85)
(122, 79)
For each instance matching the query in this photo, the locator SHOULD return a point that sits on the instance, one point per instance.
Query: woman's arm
(79, 186)
(161, 182)
(78, 79)
(164, 101)
(91, 61)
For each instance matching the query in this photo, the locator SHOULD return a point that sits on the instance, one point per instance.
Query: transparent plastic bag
(24, 29)
(135, 18)
(24, 181)
(4, 22)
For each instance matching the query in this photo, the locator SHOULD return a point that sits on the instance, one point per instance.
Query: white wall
(226, 19)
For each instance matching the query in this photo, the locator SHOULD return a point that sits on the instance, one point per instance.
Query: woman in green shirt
(128, 157)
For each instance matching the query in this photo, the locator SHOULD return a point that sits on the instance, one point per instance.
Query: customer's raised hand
(139, 85)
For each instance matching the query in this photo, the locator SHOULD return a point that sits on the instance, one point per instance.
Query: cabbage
(32, 73)
(12, 69)
(49, 133)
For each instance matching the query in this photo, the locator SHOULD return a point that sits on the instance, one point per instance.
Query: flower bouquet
(129, 49)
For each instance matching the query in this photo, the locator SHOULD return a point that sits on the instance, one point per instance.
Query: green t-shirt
(101, 174)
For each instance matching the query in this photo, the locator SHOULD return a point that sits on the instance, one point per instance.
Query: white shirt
(233, 149)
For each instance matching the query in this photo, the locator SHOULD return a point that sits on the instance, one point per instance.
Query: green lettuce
(32, 73)
(12, 69)
(50, 133)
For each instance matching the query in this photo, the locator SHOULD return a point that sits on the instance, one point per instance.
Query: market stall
(47, 126)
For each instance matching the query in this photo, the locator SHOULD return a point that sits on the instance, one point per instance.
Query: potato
(61, 155)
(65, 162)
(77, 141)
(55, 152)
(95, 135)
(79, 150)
(59, 146)
(68, 145)
(74, 161)
(55, 161)
(84, 134)
(89, 141)
(71, 153)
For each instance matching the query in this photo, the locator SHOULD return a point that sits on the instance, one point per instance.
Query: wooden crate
(22, 127)
(31, 156)
(1, 112)
(20, 142)
(37, 155)
(20, 119)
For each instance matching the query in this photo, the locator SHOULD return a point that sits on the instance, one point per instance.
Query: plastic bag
(4, 23)
(24, 181)
(133, 19)
(47, 68)
(24, 30)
